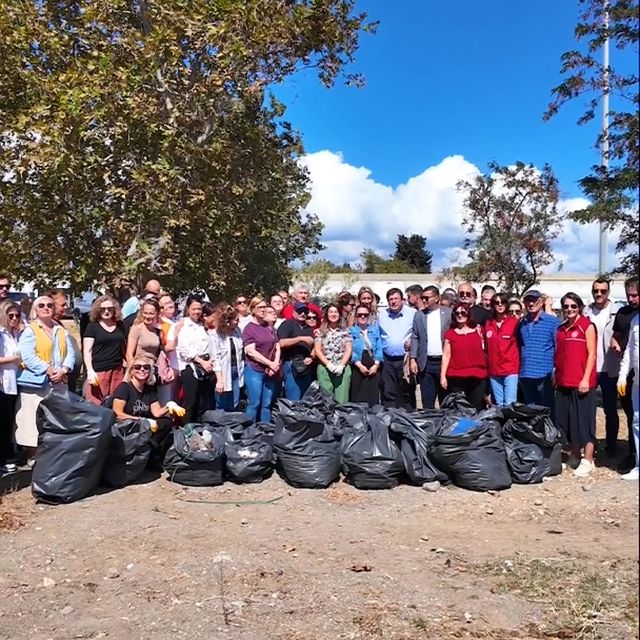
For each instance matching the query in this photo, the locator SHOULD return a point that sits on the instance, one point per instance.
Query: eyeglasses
(45, 305)
(261, 306)
(569, 306)
(465, 294)
(5, 286)
(362, 315)
(141, 367)
(13, 316)
(596, 291)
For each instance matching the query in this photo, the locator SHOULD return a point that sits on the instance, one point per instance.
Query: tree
(140, 136)
(612, 190)
(412, 250)
(373, 262)
(510, 216)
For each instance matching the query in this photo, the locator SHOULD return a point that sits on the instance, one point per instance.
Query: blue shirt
(395, 329)
(131, 306)
(537, 340)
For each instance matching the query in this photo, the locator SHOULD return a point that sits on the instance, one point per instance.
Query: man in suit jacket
(427, 337)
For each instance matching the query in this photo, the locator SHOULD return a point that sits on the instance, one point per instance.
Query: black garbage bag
(370, 458)
(532, 443)
(129, 453)
(348, 418)
(74, 438)
(249, 460)
(417, 432)
(229, 423)
(457, 403)
(190, 464)
(317, 397)
(471, 453)
(307, 451)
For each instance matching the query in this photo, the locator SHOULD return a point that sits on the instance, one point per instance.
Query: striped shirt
(537, 340)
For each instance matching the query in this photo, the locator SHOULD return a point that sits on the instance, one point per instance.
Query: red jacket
(571, 354)
(503, 355)
(287, 312)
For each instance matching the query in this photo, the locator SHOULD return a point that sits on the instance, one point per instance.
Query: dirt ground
(254, 562)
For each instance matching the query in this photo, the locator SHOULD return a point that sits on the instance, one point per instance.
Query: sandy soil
(157, 561)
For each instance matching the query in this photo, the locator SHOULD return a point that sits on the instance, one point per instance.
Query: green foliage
(139, 136)
(373, 262)
(412, 250)
(613, 190)
(510, 217)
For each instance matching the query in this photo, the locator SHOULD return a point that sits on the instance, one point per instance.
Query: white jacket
(221, 354)
(630, 356)
(607, 360)
(192, 342)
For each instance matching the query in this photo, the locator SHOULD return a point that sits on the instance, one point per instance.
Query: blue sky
(466, 78)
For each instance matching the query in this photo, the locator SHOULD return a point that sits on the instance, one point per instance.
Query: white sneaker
(634, 474)
(584, 468)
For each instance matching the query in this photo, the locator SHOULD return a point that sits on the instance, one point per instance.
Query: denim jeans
(539, 391)
(229, 400)
(504, 389)
(261, 393)
(295, 386)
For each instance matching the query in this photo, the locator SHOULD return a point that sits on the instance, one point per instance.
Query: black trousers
(365, 388)
(474, 389)
(429, 381)
(161, 440)
(198, 395)
(7, 416)
(627, 407)
(396, 391)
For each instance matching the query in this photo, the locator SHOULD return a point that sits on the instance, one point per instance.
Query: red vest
(571, 354)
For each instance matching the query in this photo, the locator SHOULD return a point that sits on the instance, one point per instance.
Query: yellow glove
(622, 389)
(176, 409)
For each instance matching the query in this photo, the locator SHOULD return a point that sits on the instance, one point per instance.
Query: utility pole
(604, 144)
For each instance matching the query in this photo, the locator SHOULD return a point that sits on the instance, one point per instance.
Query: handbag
(199, 373)
(165, 371)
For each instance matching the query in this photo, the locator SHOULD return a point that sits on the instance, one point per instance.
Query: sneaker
(584, 468)
(8, 468)
(634, 474)
(31, 462)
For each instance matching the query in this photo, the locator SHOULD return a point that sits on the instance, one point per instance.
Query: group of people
(151, 360)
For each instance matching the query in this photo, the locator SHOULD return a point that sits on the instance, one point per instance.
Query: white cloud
(358, 212)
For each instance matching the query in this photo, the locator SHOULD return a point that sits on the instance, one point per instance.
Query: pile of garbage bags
(309, 444)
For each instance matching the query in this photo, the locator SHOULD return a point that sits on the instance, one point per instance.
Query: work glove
(338, 369)
(176, 409)
(331, 367)
(92, 378)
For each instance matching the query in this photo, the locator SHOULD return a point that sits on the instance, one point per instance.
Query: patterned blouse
(333, 344)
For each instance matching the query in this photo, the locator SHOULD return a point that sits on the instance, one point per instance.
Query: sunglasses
(465, 294)
(462, 314)
(362, 315)
(569, 306)
(103, 309)
(45, 305)
(311, 317)
(594, 291)
(241, 302)
(499, 303)
(13, 316)
(141, 367)
(5, 286)
(427, 298)
(515, 312)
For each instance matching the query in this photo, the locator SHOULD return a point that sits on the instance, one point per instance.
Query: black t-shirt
(136, 403)
(293, 329)
(127, 323)
(479, 314)
(108, 346)
(622, 322)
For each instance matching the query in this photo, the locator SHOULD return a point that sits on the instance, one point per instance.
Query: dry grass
(11, 516)
(579, 603)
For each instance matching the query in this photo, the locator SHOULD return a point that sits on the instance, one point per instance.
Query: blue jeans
(261, 392)
(539, 391)
(229, 400)
(295, 386)
(610, 408)
(504, 389)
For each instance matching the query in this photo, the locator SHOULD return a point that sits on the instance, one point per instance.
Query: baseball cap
(532, 293)
(300, 306)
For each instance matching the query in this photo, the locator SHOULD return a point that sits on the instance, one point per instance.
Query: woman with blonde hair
(103, 349)
(228, 358)
(144, 337)
(263, 362)
(136, 398)
(47, 358)
(367, 298)
(11, 328)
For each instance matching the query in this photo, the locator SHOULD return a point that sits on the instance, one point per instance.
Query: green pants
(337, 386)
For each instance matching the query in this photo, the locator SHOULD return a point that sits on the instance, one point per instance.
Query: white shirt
(243, 322)
(8, 372)
(193, 341)
(603, 321)
(630, 356)
(434, 333)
